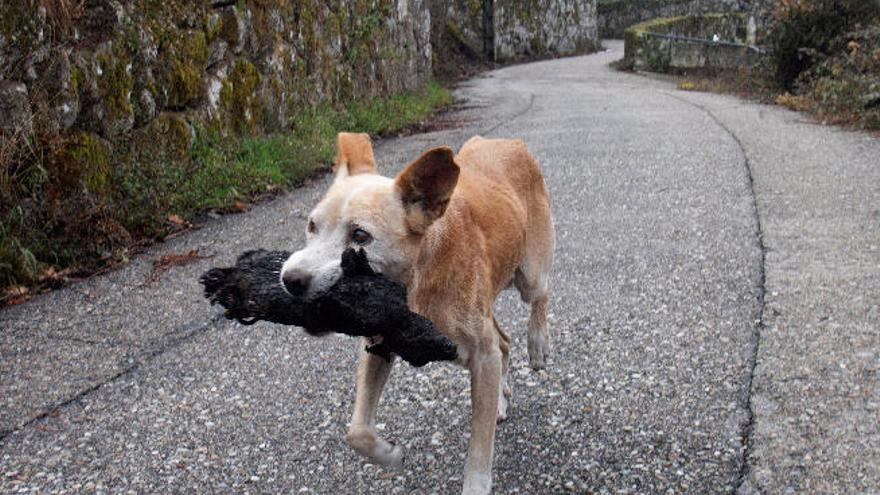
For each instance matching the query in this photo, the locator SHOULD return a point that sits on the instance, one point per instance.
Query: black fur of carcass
(361, 303)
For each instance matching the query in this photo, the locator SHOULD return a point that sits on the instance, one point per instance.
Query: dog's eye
(361, 236)
(313, 229)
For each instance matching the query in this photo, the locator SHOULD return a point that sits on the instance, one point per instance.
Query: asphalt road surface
(714, 304)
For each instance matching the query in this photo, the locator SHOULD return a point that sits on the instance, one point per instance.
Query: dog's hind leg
(504, 391)
(372, 375)
(531, 280)
(532, 277)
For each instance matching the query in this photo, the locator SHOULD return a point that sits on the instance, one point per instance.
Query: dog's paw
(538, 352)
(380, 451)
(389, 455)
(502, 409)
(476, 484)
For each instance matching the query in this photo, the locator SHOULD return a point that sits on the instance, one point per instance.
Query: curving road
(715, 306)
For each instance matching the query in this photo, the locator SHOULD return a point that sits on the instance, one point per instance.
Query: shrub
(805, 31)
(845, 86)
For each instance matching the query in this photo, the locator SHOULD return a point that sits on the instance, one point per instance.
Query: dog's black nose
(296, 281)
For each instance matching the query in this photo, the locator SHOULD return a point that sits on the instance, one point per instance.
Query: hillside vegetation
(124, 122)
(824, 59)
(827, 57)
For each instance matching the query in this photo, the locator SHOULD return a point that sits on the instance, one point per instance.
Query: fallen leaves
(176, 220)
(48, 280)
(168, 261)
(16, 294)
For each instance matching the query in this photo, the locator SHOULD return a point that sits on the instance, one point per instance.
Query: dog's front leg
(485, 371)
(372, 374)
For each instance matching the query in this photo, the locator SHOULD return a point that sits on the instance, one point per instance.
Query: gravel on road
(679, 216)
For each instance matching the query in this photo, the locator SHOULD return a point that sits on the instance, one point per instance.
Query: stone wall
(112, 66)
(458, 35)
(763, 11)
(526, 29)
(615, 16)
(513, 30)
(684, 43)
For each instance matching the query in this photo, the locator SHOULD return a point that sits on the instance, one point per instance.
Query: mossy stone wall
(515, 30)
(457, 28)
(114, 66)
(112, 111)
(526, 29)
(646, 47)
(615, 16)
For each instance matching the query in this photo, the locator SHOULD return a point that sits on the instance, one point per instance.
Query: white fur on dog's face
(354, 205)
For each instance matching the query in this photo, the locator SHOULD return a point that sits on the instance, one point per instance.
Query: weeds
(845, 86)
(62, 13)
(805, 33)
(18, 265)
(95, 218)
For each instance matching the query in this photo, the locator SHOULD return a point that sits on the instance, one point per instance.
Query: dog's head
(385, 217)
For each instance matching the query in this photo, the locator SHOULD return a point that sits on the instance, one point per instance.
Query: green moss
(75, 79)
(657, 61)
(115, 84)
(19, 21)
(184, 85)
(213, 26)
(537, 46)
(186, 59)
(194, 46)
(171, 133)
(88, 159)
(226, 94)
(240, 98)
(229, 30)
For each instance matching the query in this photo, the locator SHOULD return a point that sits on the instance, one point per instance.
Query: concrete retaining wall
(683, 43)
(615, 16)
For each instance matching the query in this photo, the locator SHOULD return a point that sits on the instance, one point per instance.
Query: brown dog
(456, 230)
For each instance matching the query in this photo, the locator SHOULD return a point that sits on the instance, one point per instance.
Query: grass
(283, 160)
(150, 194)
(753, 83)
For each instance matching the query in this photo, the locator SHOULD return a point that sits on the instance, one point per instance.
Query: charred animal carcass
(361, 303)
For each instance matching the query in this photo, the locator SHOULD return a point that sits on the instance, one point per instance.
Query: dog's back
(503, 162)
(496, 232)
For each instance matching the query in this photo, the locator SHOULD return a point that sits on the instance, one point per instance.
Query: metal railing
(704, 41)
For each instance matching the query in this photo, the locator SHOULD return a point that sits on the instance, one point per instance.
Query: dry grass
(61, 13)
(798, 103)
(62, 10)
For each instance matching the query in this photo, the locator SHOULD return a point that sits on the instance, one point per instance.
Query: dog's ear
(426, 186)
(354, 154)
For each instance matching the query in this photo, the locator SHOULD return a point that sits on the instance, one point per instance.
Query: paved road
(715, 305)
